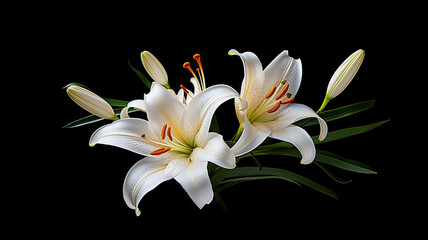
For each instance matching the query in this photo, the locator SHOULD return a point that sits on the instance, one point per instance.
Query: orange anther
(271, 92)
(283, 91)
(288, 101)
(160, 151)
(169, 133)
(163, 131)
(274, 107)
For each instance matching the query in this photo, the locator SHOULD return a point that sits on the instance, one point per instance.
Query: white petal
(299, 138)
(144, 176)
(283, 67)
(216, 151)
(195, 180)
(154, 68)
(199, 112)
(295, 112)
(162, 108)
(253, 87)
(126, 133)
(176, 165)
(137, 104)
(252, 136)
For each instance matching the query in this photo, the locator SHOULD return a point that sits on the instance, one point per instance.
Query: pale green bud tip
(154, 68)
(345, 73)
(91, 102)
(343, 76)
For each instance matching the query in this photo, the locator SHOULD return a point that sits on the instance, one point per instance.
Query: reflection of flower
(343, 76)
(175, 141)
(91, 102)
(270, 113)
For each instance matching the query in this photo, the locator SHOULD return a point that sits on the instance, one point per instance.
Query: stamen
(289, 95)
(197, 57)
(186, 91)
(187, 65)
(274, 107)
(160, 151)
(270, 93)
(163, 131)
(283, 91)
(287, 101)
(143, 136)
(169, 133)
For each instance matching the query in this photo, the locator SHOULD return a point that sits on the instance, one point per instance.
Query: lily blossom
(175, 142)
(270, 113)
(91, 102)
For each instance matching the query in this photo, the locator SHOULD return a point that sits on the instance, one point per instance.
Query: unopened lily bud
(154, 68)
(91, 102)
(343, 76)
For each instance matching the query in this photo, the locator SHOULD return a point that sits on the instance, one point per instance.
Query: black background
(79, 188)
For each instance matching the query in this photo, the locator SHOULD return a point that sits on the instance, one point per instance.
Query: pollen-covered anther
(283, 91)
(163, 131)
(160, 151)
(274, 107)
(287, 101)
(270, 93)
(168, 133)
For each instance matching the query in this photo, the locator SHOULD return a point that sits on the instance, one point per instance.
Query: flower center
(168, 143)
(273, 100)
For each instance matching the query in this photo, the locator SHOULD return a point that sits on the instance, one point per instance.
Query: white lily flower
(270, 113)
(91, 102)
(175, 141)
(343, 76)
(154, 68)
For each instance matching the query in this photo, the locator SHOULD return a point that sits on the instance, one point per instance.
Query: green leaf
(248, 173)
(343, 163)
(348, 132)
(91, 119)
(214, 127)
(338, 113)
(141, 76)
(331, 174)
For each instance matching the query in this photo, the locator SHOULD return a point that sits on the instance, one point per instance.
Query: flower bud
(343, 76)
(91, 102)
(154, 68)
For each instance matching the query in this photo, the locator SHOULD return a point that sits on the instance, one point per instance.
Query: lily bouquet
(180, 137)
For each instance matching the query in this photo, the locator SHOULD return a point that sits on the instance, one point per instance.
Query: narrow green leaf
(338, 113)
(91, 119)
(343, 163)
(331, 174)
(141, 76)
(281, 173)
(348, 132)
(214, 127)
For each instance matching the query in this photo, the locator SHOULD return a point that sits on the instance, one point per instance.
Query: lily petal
(295, 112)
(252, 136)
(162, 108)
(283, 67)
(126, 133)
(137, 104)
(299, 138)
(215, 151)
(195, 180)
(253, 83)
(199, 112)
(144, 176)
